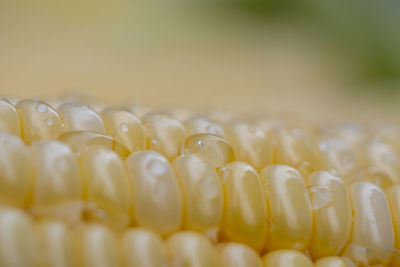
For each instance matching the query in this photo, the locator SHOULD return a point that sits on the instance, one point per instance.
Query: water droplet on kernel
(157, 167)
(200, 144)
(208, 188)
(124, 127)
(42, 108)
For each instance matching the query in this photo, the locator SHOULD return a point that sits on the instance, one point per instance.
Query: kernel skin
(238, 255)
(393, 196)
(250, 144)
(9, 119)
(372, 226)
(80, 117)
(286, 258)
(198, 125)
(143, 248)
(189, 249)
(39, 121)
(290, 211)
(106, 187)
(17, 239)
(15, 182)
(125, 128)
(213, 148)
(165, 134)
(157, 198)
(334, 261)
(57, 178)
(245, 212)
(332, 222)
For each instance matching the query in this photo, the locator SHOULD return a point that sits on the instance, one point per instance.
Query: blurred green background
(324, 59)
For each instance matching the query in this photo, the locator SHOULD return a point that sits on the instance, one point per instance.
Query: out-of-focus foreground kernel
(83, 183)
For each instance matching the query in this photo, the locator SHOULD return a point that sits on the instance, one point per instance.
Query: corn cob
(131, 186)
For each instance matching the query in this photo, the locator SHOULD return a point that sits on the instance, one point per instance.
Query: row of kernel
(52, 243)
(273, 207)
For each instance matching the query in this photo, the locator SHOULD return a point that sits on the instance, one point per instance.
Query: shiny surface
(393, 197)
(58, 183)
(332, 214)
(157, 198)
(165, 134)
(286, 258)
(106, 187)
(250, 144)
(80, 117)
(198, 125)
(372, 238)
(189, 249)
(245, 212)
(125, 128)
(290, 211)
(82, 141)
(17, 241)
(238, 255)
(213, 148)
(142, 248)
(202, 192)
(39, 120)
(334, 262)
(15, 182)
(9, 120)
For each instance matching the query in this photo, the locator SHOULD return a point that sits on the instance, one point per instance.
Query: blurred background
(324, 59)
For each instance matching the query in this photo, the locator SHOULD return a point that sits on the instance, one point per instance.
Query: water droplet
(124, 127)
(42, 108)
(208, 188)
(157, 167)
(154, 141)
(49, 121)
(200, 144)
(320, 196)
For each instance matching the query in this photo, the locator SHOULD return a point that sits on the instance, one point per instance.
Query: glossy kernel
(157, 198)
(189, 249)
(125, 128)
(332, 214)
(250, 144)
(80, 117)
(372, 238)
(198, 125)
(202, 192)
(393, 196)
(334, 261)
(238, 255)
(143, 248)
(291, 217)
(106, 187)
(9, 119)
(213, 148)
(245, 212)
(39, 121)
(15, 176)
(286, 258)
(165, 134)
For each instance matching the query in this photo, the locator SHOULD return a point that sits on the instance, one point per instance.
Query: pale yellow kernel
(213, 148)
(332, 214)
(165, 134)
(80, 117)
(157, 198)
(55, 245)
(189, 249)
(179, 113)
(82, 141)
(334, 261)
(291, 217)
(39, 121)
(197, 125)
(393, 196)
(202, 192)
(96, 245)
(107, 187)
(372, 175)
(125, 128)
(250, 144)
(58, 183)
(286, 258)
(372, 237)
(15, 175)
(17, 239)
(137, 109)
(245, 212)
(143, 248)
(9, 120)
(238, 255)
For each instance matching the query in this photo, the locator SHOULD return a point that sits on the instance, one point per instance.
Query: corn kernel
(245, 212)
(198, 125)
(9, 120)
(286, 258)
(238, 255)
(334, 261)
(393, 196)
